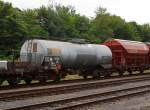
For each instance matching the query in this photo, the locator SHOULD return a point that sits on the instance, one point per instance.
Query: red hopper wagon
(128, 55)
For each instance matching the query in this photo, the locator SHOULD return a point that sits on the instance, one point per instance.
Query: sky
(130, 10)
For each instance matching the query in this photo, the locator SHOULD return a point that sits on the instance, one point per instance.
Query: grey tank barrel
(72, 55)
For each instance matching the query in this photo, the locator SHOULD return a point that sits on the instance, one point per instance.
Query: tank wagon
(45, 59)
(71, 57)
(129, 55)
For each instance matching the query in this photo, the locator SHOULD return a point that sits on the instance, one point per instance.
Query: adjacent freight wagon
(128, 55)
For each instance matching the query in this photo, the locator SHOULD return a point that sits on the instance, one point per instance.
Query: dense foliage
(62, 23)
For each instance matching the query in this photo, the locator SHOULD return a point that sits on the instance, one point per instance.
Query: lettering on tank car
(54, 51)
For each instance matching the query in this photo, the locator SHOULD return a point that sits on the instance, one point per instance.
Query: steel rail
(80, 101)
(67, 88)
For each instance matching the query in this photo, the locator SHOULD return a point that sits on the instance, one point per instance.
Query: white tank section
(72, 55)
(3, 65)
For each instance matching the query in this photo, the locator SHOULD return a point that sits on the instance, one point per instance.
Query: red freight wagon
(148, 44)
(128, 55)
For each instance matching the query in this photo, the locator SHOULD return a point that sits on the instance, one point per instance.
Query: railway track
(71, 102)
(66, 88)
(76, 102)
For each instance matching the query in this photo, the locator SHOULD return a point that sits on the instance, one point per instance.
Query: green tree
(144, 32)
(107, 26)
(49, 21)
(12, 31)
(29, 19)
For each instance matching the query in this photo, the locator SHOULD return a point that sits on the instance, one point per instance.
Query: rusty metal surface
(130, 46)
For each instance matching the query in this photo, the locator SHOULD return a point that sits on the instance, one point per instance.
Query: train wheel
(1, 81)
(28, 81)
(96, 74)
(43, 81)
(141, 71)
(85, 77)
(95, 77)
(12, 82)
(120, 73)
(130, 72)
(107, 74)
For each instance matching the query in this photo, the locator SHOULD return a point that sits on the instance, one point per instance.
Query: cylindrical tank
(72, 55)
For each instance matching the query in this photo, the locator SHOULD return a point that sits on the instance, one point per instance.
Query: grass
(71, 77)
